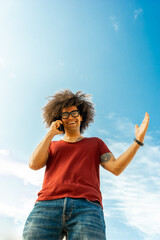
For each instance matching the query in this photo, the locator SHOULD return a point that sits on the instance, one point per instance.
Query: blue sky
(109, 49)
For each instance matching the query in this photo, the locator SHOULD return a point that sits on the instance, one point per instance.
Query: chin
(73, 129)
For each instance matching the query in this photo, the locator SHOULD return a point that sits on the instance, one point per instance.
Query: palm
(141, 131)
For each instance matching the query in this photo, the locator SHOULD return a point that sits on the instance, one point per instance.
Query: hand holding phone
(60, 128)
(56, 127)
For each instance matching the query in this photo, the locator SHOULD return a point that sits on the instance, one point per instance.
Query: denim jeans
(75, 218)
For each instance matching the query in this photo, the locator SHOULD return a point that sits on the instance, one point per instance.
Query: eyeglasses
(65, 115)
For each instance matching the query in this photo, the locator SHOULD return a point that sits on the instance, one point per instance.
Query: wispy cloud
(137, 12)
(123, 126)
(117, 128)
(135, 193)
(2, 63)
(115, 23)
(133, 196)
(17, 213)
(11, 167)
(20, 207)
(134, 200)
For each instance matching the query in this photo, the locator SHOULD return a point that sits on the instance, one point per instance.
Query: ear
(81, 118)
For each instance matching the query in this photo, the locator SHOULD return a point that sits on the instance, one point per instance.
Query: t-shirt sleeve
(49, 149)
(50, 152)
(103, 148)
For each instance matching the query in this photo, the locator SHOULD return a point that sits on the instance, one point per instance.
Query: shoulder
(55, 144)
(95, 139)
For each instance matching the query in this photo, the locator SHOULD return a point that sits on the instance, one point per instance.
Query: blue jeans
(75, 218)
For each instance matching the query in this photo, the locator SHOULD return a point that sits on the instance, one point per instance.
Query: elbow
(117, 172)
(31, 166)
(31, 163)
(114, 168)
(36, 166)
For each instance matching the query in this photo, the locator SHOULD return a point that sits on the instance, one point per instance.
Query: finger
(146, 115)
(136, 126)
(59, 121)
(58, 124)
(146, 119)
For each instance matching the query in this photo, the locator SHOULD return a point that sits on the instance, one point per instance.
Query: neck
(72, 137)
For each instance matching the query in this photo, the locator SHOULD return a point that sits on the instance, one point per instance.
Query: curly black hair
(65, 98)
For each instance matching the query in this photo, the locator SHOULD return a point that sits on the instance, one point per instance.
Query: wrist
(139, 142)
(50, 134)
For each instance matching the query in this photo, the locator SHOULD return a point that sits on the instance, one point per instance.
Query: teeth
(71, 123)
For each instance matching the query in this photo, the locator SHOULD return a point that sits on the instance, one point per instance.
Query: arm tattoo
(105, 157)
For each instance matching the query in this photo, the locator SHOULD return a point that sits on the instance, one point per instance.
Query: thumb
(136, 126)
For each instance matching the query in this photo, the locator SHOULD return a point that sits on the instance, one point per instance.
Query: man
(70, 202)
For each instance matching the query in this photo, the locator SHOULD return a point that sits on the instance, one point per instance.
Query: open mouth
(71, 123)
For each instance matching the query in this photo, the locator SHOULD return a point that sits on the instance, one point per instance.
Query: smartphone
(61, 127)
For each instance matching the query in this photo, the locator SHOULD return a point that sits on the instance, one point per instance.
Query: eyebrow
(70, 112)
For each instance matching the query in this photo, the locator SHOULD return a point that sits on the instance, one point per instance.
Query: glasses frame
(70, 113)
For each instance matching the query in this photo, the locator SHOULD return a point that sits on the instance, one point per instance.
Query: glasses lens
(65, 115)
(75, 113)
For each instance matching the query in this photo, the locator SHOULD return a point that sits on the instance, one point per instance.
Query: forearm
(39, 157)
(116, 166)
(123, 160)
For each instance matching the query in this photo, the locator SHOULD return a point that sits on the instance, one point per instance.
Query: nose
(70, 116)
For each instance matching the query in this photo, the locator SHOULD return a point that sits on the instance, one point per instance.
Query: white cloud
(135, 201)
(105, 132)
(10, 167)
(117, 147)
(111, 115)
(18, 213)
(19, 208)
(118, 129)
(137, 12)
(135, 194)
(115, 23)
(4, 152)
(2, 63)
(123, 127)
(116, 26)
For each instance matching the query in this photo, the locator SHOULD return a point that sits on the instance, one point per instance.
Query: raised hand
(141, 131)
(54, 127)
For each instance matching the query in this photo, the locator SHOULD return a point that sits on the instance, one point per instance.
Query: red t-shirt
(72, 170)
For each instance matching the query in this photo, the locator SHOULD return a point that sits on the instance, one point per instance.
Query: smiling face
(71, 124)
